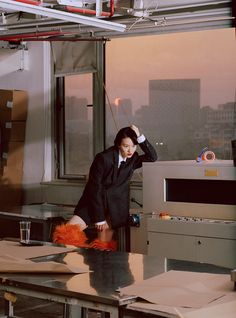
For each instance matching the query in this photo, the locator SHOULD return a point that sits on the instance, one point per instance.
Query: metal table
(96, 289)
(43, 218)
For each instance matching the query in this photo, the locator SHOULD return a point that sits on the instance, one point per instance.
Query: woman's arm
(149, 155)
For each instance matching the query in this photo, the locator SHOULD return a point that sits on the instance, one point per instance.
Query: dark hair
(125, 132)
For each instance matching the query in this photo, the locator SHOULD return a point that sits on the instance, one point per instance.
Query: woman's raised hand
(135, 128)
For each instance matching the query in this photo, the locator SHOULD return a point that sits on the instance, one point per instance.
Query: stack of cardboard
(13, 115)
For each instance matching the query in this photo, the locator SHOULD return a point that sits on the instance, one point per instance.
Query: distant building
(217, 128)
(76, 108)
(175, 105)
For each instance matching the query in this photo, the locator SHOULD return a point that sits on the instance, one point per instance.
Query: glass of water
(25, 231)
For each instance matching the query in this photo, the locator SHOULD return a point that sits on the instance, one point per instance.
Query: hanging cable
(112, 113)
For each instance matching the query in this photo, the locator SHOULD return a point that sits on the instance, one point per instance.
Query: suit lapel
(115, 163)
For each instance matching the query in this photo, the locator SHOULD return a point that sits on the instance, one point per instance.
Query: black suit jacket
(106, 194)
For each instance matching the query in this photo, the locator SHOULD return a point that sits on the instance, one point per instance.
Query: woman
(104, 203)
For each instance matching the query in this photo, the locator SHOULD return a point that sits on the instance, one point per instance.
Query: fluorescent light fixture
(61, 15)
(76, 3)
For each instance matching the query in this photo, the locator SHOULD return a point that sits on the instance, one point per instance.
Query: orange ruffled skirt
(71, 234)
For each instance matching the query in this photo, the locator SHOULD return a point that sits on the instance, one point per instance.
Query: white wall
(31, 79)
(36, 79)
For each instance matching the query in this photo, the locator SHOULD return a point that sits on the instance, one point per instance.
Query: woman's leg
(77, 220)
(106, 235)
(104, 241)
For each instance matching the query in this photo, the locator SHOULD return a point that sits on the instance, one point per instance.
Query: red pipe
(112, 8)
(92, 12)
(36, 3)
(18, 37)
(84, 11)
(64, 39)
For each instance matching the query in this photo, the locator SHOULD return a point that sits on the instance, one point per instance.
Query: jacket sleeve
(149, 155)
(95, 190)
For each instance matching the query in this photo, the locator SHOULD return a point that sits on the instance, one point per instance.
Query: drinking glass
(25, 231)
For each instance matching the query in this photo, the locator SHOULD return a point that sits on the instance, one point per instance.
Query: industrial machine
(189, 211)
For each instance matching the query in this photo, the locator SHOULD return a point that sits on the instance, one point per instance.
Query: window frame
(98, 86)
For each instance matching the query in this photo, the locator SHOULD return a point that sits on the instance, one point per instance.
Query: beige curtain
(74, 57)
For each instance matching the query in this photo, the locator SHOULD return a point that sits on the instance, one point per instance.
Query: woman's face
(127, 148)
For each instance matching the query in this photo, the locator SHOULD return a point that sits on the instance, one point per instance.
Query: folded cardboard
(181, 289)
(13, 104)
(25, 266)
(12, 249)
(225, 310)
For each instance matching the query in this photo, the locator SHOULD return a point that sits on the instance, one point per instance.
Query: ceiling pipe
(64, 39)
(112, 7)
(85, 11)
(62, 15)
(33, 2)
(22, 37)
(92, 12)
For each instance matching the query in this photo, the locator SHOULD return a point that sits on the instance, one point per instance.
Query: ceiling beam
(61, 15)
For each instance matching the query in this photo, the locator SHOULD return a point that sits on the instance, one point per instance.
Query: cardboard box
(11, 176)
(13, 104)
(13, 131)
(3, 152)
(13, 154)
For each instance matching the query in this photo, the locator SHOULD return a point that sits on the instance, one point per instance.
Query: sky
(208, 55)
(132, 62)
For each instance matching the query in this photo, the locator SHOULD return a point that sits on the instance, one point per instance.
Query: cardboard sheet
(181, 289)
(178, 296)
(10, 264)
(163, 311)
(16, 250)
(226, 302)
(226, 310)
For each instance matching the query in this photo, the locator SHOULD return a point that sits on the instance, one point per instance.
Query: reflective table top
(107, 272)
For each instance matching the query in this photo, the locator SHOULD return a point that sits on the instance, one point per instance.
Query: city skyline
(208, 55)
(173, 119)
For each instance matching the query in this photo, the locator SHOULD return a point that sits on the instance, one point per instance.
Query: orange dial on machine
(164, 215)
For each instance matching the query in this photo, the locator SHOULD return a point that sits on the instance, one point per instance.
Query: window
(178, 88)
(79, 119)
(76, 126)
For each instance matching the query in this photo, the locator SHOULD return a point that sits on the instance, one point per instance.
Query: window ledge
(64, 182)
